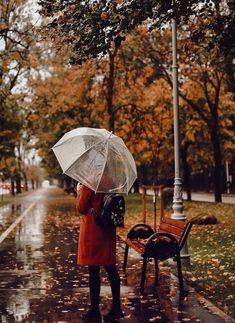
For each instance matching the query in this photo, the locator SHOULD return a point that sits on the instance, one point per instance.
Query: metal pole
(178, 192)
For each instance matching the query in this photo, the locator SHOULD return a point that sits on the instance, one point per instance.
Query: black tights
(94, 285)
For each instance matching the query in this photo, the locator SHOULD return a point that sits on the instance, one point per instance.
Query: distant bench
(164, 243)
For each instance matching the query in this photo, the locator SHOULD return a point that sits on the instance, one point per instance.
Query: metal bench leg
(156, 270)
(180, 276)
(143, 274)
(125, 258)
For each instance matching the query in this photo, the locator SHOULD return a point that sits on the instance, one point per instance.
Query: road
(41, 282)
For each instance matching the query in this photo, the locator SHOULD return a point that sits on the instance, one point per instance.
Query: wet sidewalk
(40, 281)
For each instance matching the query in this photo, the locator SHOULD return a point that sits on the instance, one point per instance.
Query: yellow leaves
(16, 56)
(148, 71)
(104, 15)
(33, 61)
(230, 297)
(3, 26)
(32, 117)
(72, 7)
(225, 308)
(215, 262)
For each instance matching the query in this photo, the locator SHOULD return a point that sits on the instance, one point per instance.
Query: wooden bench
(164, 243)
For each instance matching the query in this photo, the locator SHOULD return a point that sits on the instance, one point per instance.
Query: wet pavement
(41, 282)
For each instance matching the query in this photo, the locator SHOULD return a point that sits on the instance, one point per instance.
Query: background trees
(131, 89)
(17, 40)
(210, 50)
(202, 87)
(92, 27)
(123, 82)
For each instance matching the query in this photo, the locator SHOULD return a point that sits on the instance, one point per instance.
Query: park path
(204, 197)
(209, 197)
(40, 281)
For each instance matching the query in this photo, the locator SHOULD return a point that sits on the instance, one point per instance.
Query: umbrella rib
(82, 155)
(121, 157)
(124, 146)
(106, 155)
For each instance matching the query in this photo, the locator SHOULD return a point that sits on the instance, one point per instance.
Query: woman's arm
(84, 199)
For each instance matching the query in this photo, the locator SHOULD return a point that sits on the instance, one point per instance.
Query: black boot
(93, 315)
(113, 315)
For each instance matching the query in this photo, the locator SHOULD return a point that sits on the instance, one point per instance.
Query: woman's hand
(78, 188)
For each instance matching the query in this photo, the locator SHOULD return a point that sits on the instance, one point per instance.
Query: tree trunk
(12, 187)
(110, 87)
(142, 174)
(186, 170)
(154, 166)
(18, 185)
(218, 165)
(230, 74)
(25, 182)
(136, 186)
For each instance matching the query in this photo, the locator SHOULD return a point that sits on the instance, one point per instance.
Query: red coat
(95, 246)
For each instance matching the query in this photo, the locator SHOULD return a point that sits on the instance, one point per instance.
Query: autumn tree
(106, 22)
(34, 173)
(17, 39)
(194, 152)
(204, 91)
(90, 27)
(62, 99)
(202, 86)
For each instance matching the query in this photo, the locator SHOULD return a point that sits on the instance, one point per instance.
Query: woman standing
(97, 248)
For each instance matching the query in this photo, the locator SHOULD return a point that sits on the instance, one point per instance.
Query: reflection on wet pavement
(41, 282)
(8, 214)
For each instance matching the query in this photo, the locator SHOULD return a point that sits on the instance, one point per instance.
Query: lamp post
(178, 192)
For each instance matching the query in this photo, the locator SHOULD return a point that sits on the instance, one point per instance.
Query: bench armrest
(185, 234)
(140, 230)
(164, 248)
(161, 234)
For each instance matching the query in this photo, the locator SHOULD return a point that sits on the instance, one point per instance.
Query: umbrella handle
(117, 188)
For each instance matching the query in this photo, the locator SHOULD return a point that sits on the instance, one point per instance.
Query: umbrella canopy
(96, 158)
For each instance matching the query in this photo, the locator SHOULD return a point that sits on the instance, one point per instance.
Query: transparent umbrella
(96, 158)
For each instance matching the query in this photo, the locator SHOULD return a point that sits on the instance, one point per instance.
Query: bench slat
(138, 245)
(177, 232)
(176, 223)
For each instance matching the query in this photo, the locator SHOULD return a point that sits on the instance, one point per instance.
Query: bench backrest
(178, 228)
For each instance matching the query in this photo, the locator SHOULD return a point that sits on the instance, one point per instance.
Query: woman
(96, 248)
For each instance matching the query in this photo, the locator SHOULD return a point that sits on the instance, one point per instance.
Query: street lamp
(178, 191)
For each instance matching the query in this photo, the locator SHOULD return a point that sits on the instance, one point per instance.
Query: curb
(212, 308)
